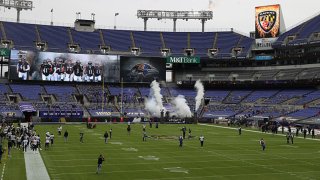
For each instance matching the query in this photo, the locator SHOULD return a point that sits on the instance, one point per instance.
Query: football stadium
(83, 102)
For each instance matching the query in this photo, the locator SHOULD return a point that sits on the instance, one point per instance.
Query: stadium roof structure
(174, 15)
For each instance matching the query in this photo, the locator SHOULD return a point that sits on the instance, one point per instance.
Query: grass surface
(225, 154)
(12, 167)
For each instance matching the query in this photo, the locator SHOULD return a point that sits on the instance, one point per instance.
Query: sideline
(35, 168)
(224, 127)
(4, 167)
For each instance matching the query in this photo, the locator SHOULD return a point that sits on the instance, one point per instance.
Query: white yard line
(254, 131)
(2, 174)
(35, 168)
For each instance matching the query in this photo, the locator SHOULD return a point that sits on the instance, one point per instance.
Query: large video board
(267, 21)
(67, 67)
(142, 69)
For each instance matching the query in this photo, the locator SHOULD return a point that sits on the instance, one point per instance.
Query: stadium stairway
(245, 97)
(227, 97)
(70, 36)
(162, 41)
(3, 32)
(103, 42)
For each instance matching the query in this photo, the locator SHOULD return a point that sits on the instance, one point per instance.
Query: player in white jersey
(201, 138)
(25, 143)
(51, 139)
(59, 130)
(23, 68)
(97, 73)
(46, 146)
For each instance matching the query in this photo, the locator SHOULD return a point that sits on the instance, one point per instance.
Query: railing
(120, 27)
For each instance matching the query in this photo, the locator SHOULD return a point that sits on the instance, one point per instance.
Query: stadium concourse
(60, 84)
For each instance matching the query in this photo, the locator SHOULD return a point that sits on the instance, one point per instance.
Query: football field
(225, 155)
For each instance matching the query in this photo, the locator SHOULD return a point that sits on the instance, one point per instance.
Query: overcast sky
(238, 14)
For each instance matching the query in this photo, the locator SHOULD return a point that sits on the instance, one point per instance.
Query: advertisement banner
(267, 21)
(67, 67)
(4, 52)
(142, 69)
(183, 60)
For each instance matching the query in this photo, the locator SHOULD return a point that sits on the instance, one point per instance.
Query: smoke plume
(154, 102)
(200, 93)
(181, 107)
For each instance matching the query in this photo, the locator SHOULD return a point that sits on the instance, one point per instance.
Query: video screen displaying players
(66, 67)
(142, 69)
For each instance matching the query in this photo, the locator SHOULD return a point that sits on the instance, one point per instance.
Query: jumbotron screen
(67, 67)
(142, 69)
(267, 21)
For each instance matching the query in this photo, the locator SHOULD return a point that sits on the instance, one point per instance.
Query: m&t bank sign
(183, 60)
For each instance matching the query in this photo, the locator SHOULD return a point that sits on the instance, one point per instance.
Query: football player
(77, 70)
(23, 68)
(44, 69)
(68, 71)
(97, 73)
(59, 75)
(90, 69)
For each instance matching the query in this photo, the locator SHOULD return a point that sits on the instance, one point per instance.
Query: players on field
(184, 129)
(59, 130)
(201, 138)
(128, 129)
(100, 160)
(106, 135)
(23, 69)
(65, 135)
(47, 142)
(180, 141)
(144, 136)
(81, 136)
(262, 144)
(51, 139)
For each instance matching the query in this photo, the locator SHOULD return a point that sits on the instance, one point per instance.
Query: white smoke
(154, 103)
(181, 107)
(200, 93)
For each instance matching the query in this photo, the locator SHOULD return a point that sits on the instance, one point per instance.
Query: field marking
(156, 170)
(2, 174)
(131, 149)
(223, 127)
(243, 160)
(35, 167)
(288, 145)
(96, 134)
(175, 162)
(258, 165)
(149, 158)
(177, 169)
(116, 143)
(4, 165)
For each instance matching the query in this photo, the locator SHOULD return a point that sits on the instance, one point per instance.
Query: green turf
(14, 164)
(225, 155)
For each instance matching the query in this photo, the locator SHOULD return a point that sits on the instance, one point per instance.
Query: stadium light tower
(19, 5)
(174, 15)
